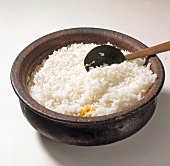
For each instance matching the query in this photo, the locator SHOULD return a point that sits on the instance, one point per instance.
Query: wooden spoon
(149, 51)
(106, 54)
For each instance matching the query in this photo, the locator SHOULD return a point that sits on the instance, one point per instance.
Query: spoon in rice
(107, 55)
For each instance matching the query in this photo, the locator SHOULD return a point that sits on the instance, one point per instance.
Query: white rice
(62, 84)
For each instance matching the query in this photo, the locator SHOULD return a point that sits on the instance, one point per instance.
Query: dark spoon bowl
(80, 130)
(103, 54)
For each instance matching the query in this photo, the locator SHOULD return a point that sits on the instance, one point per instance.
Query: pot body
(80, 130)
(90, 134)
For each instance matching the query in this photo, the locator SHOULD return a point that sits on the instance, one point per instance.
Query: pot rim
(24, 96)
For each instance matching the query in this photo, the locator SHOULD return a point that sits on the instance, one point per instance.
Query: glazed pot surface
(79, 130)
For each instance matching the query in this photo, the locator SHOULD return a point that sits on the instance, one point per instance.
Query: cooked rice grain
(62, 84)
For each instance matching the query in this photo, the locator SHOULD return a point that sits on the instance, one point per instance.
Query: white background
(23, 21)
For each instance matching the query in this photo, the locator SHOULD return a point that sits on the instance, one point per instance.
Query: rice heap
(62, 84)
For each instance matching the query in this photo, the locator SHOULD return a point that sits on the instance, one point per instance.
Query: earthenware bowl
(80, 130)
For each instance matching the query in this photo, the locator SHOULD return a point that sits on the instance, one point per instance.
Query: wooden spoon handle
(149, 51)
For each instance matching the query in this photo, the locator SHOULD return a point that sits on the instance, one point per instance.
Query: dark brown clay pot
(79, 130)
